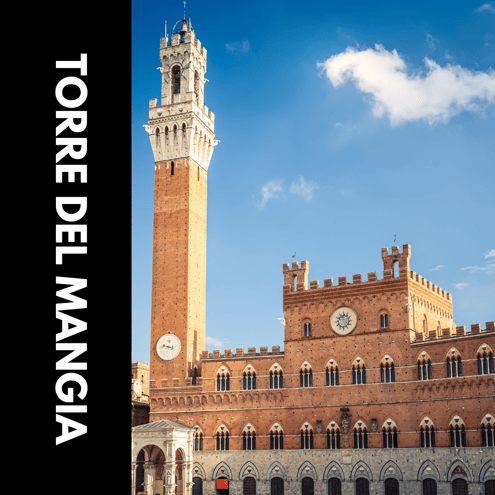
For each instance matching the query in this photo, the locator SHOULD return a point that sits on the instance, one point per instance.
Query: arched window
(276, 379)
(485, 363)
(172, 167)
(390, 438)
(490, 487)
(488, 431)
(276, 439)
(222, 440)
(429, 487)
(387, 372)
(454, 367)
(249, 380)
(426, 434)
(384, 320)
(308, 486)
(277, 486)
(198, 486)
(198, 441)
(457, 436)
(332, 375)
(223, 381)
(358, 374)
(307, 437)
(360, 438)
(334, 486)
(249, 440)
(176, 80)
(391, 486)
(306, 377)
(333, 437)
(424, 369)
(249, 486)
(307, 329)
(459, 487)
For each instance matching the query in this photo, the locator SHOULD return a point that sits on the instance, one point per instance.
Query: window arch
(457, 432)
(175, 80)
(222, 438)
(307, 329)
(486, 365)
(389, 433)
(306, 376)
(276, 437)
(172, 168)
(307, 437)
(454, 364)
(333, 436)
(358, 372)
(426, 433)
(424, 367)
(360, 435)
(332, 373)
(223, 380)
(198, 439)
(249, 378)
(387, 370)
(276, 376)
(488, 431)
(383, 319)
(249, 438)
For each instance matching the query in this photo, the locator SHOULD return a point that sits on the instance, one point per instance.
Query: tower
(181, 132)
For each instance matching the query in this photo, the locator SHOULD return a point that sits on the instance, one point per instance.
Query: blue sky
(341, 127)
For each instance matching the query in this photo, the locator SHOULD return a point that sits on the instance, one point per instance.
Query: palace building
(376, 391)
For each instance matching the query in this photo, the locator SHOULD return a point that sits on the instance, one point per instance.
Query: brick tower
(181, 133)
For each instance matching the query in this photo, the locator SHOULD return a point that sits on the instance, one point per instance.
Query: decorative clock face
(343, 320)
(168, 346)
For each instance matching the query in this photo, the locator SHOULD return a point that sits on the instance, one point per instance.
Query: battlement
(239, 352)
(460, 331)
(389, 259)
(428, 285)
(291, 275)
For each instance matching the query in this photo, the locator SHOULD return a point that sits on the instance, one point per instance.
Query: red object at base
(222, 484)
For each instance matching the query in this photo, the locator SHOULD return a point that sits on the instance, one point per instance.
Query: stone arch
(487, 472)
(390, 470)
(249, 469)
(458, 469)
(333, 470)
(428, 470)
(222, 469)
(276, 470)
(361, 470)
(306, 470)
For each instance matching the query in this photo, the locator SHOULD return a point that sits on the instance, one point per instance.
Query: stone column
(149, 477)
(169, 483)
(133, 477)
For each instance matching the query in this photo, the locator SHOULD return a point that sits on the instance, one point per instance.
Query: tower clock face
(343, 320)
(168, 346)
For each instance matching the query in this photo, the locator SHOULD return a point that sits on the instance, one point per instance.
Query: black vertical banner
(82, 183)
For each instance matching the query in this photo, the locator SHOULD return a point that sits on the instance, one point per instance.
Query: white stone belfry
(182, 126)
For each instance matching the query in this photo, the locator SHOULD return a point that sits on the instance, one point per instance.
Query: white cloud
(437, 268)
(435, 96)
(490, 254)
(239, 47)
(460, 286)
(486, 6)
(213, 341)
(271, 190)
(304, 189)
(430, 41)
(489, 268)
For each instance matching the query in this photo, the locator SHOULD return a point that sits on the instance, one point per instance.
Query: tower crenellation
(182, 126)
